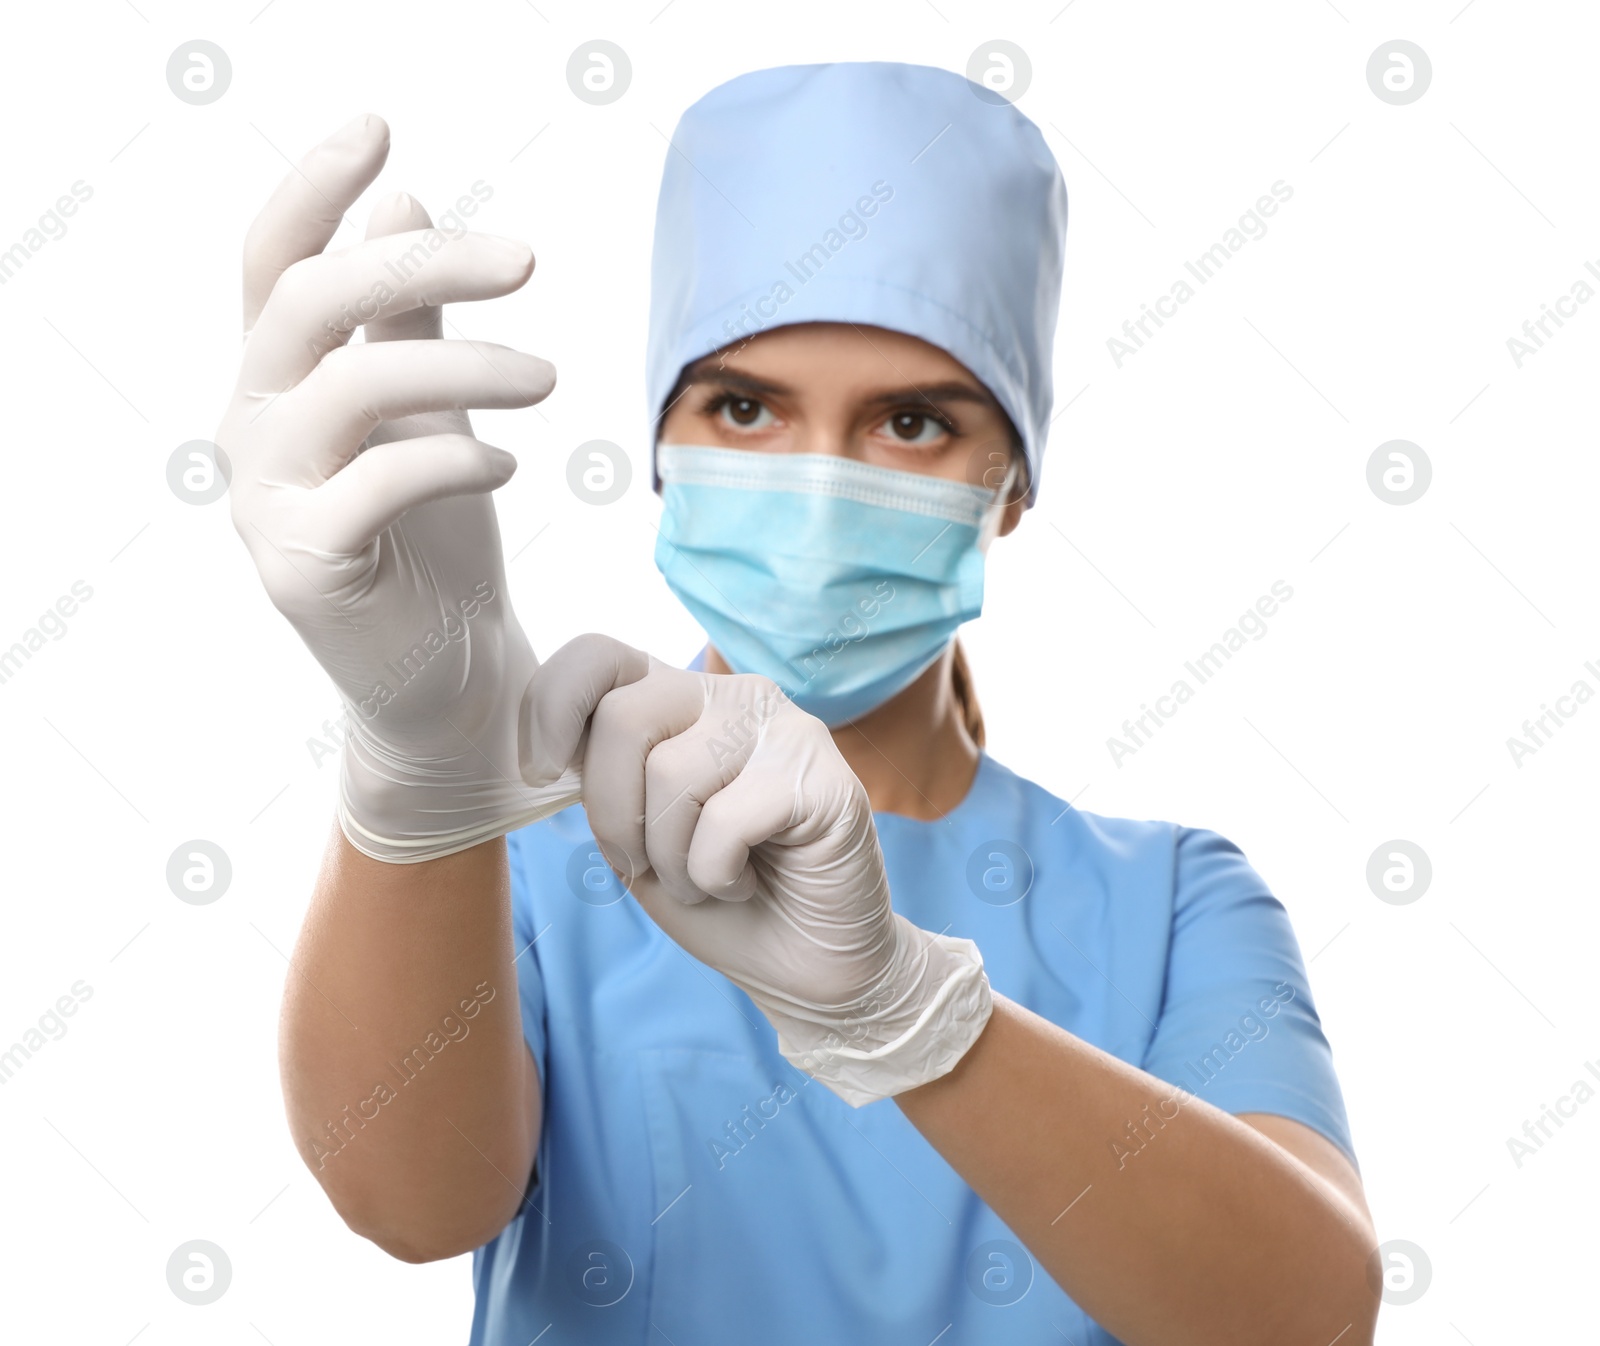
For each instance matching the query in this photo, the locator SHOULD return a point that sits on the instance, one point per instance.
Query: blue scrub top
(694, 1188)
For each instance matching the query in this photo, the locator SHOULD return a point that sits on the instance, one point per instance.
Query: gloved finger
(304, 210)
(625, 726)
(766, 799)
(680, 774)
(685, 771)
(319, 301)
(347, 511)
(395, 215)
(740, 940)
(561, 696)
(323, 422)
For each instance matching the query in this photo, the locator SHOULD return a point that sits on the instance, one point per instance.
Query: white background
(1229, 453)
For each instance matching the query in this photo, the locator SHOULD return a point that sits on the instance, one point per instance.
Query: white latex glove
(732, 818)
(364, 500)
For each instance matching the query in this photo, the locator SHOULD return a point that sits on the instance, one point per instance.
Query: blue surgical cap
(896, 196)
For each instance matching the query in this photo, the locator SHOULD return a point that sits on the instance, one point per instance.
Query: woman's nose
(835, 441)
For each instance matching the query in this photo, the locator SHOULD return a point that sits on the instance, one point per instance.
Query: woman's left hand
(731, 816)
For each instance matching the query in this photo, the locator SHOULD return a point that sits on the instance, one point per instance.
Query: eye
(742, 413)
(916, 427)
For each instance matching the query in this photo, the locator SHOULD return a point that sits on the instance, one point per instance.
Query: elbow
(1364, 1315)
(1353, 1279)
(404, 1246)
(1359, 1324)
(424, 1226)
(425, 1213)
(1329, 1291)
(414, 1240)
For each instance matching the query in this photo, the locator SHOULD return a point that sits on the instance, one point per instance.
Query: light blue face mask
(840, 581)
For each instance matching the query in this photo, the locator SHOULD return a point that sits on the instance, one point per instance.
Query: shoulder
(1136, 863)
(1143, 919)
(1148, 850)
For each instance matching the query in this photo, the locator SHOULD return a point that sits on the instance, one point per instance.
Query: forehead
(851, 357)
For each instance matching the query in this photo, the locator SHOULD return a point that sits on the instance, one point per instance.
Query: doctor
(876, 1041)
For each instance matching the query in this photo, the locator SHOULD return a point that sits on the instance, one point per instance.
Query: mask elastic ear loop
(995, 514)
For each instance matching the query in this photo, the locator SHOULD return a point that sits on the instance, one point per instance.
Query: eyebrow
(743, 383)
(949, 391)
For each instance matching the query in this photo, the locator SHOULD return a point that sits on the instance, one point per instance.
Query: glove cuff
(944, 1031)
(459, 829)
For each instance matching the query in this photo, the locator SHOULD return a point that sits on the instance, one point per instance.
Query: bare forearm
(407, 1082)
(1209, 1234)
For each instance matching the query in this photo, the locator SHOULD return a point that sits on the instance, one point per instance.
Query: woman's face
(857, 392)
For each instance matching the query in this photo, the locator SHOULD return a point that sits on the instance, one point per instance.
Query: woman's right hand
(363, 498)
(734, 821)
